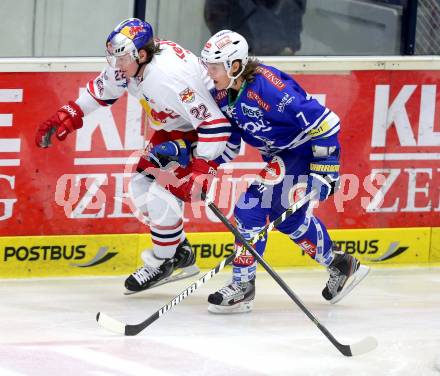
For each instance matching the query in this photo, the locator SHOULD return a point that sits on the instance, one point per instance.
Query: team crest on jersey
(187, 95)
(273, 173)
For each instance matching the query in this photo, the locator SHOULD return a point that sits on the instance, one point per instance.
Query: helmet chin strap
(139, 67)
(136, 57)
(233, 78)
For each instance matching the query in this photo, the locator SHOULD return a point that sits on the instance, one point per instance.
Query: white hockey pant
(164, 211)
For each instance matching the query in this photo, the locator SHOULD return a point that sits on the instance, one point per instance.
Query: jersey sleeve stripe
(215, 121)
(304, 136)
(329, 125)
(214, 130)
(213, 139)
(333, 131)
(219, 134)
(102, 102)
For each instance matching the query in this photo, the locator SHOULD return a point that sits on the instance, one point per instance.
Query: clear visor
(215, 68)
(120, 60)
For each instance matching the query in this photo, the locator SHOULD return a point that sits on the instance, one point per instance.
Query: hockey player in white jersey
(172, 87)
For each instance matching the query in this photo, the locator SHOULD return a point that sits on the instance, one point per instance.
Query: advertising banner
(99, 255)
(390, 137)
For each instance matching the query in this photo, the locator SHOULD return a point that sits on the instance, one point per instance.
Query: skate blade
(183, 273)
(242, 307)
(356, 278)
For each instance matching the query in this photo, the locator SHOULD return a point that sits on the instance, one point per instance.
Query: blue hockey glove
(171, 151)
(324, 177)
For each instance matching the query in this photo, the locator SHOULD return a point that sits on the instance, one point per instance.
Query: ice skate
(345, 273)
(236, 297)
(157, 272)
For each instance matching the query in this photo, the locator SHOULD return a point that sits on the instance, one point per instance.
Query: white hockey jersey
(174, 92)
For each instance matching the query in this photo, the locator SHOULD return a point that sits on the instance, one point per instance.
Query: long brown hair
(152, 47)
(250, 70)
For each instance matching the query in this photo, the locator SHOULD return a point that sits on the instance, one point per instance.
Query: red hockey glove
(201, 174)
(66, 120)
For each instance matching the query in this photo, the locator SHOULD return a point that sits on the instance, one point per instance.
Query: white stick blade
(366, 345)
(110, 323)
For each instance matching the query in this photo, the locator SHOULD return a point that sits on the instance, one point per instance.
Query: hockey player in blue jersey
(298, 138)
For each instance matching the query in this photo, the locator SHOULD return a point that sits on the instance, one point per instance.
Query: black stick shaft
(132, 330)
(344, 349)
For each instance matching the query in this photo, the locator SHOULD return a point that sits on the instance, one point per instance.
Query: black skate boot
(157, 272)
(236, 297)
(149, 275)
(184, 256)
(184, 263)
(344, 268)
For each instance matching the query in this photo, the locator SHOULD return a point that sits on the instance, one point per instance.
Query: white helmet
(225, 47)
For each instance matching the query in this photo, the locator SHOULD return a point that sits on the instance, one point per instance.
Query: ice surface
(48, 327)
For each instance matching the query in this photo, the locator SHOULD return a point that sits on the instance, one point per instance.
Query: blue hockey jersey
(273, 113)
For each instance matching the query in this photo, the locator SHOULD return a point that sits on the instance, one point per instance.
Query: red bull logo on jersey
(187, 95)
(273, 173)
(131, 31)
(162, 116)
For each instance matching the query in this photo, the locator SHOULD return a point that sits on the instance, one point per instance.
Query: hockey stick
(131, 330)
(361, 347)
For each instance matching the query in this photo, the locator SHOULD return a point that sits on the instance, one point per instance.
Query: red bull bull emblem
(131, 31)
(187, 95)
(162, 116)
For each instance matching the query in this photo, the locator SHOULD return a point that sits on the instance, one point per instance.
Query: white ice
(48, 327)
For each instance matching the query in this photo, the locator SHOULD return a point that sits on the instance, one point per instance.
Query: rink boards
(98, 255)
(389, 111)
